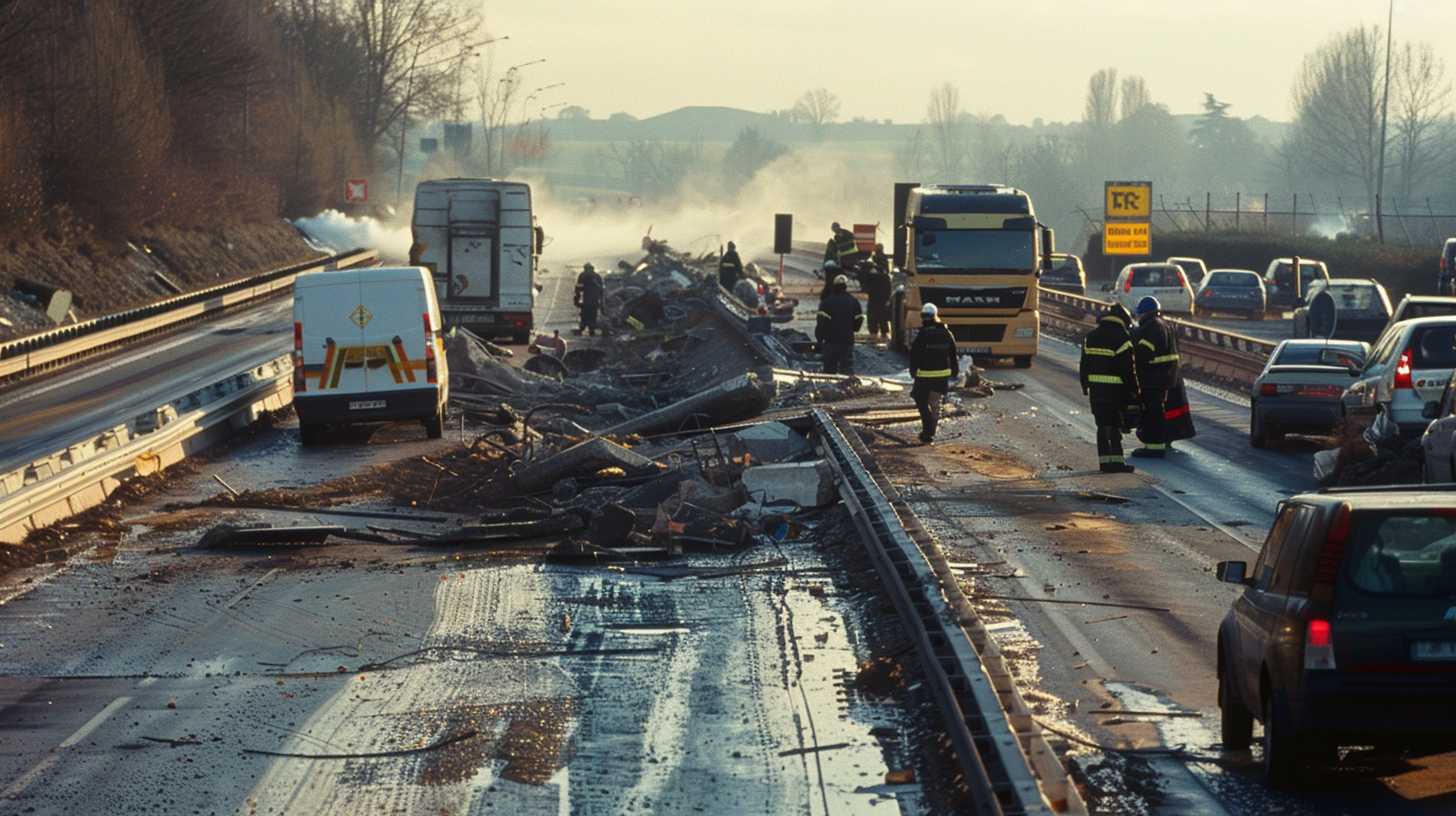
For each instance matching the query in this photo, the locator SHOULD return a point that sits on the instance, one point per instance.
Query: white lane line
(1255, 546)
(18, 786)
(241, 595)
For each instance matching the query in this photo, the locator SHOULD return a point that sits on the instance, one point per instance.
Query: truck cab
(975, 251)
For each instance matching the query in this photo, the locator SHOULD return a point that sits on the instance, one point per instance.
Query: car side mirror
(1431, 410)
(1232, 572)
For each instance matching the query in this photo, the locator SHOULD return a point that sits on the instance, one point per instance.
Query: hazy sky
(1020, 58)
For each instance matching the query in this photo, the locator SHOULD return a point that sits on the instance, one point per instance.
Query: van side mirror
(1431, 410)
(1232, 572)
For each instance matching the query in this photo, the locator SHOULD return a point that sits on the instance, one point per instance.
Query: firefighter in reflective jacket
(1156, 351)
(840, 247)
(934, 366)
(840, 317)
(1109, 377)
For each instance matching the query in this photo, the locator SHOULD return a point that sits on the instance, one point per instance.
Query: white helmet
(929, 310)
(841, 280)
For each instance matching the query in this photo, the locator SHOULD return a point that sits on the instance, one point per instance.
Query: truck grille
(979, 333)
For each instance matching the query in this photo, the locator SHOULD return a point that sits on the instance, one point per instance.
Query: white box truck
(481, 243)
(367, 347)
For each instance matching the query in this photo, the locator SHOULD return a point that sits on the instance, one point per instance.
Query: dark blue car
(1232, 290)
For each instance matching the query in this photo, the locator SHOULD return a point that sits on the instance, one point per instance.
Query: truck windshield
(975, 250)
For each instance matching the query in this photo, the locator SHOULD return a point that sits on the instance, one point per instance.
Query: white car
(1165, 281)
(1409, 367)
(1194, 268)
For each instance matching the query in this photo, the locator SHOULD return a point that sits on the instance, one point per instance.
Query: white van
(367, 348)
(1165, 281)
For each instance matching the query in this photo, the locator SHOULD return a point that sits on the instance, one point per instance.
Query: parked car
(367, 347)
(1164, 281)
(1344, 632)
(1194, 268)
(1422, 306)
(1066, 274)
(1232, 290)
(1279, 282)
(1362, 309)
(1438, 443)
(1409, 367)
(1299, 389)
(1446, 279)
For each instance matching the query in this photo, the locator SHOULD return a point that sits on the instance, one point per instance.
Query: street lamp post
(467, 50)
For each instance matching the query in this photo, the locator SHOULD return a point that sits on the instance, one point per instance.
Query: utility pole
(1384, 109)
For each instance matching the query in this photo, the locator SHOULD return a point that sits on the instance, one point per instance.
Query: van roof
(330, 277)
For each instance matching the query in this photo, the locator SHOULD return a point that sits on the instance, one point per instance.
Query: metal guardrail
(1221, 356)
(1006, 764)
(82, 475)
(47, 350)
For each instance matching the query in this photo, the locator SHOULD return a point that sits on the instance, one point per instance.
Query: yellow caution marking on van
(361, 316)
(402, 360)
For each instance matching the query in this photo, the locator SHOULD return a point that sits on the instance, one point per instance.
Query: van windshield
(1402, 554)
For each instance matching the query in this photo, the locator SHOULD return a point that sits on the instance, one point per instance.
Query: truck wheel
(435, 426)
(1236, 722)
(1022, 360)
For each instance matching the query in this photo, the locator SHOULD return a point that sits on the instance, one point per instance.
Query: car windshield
(1353, 298)
(1434, 347)
(1402, 554)
(1428, 310)
(975, 250)
(1064, 270)
(1232, 279)
(1284, 273)
(1320, 355)
(1155, 276)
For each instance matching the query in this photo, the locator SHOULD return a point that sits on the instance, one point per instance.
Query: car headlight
(1025, 333)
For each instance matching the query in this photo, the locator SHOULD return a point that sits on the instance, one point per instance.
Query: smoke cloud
(335, 231)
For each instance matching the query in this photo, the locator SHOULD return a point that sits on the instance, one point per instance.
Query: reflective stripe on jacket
(1107, 370)
(1156, 351)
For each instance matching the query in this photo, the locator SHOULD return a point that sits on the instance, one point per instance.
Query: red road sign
(356, 191)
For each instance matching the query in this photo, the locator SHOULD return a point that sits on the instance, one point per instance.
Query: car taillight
(299, 384)
(1403, 370)
(1327, 568)
(431, 371)
(1319, 646)
(1128, 286)
(1268, 390)
(1182, 279)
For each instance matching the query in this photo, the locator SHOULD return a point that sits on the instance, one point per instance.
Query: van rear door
(328, 306)
(474, 242)
(395, 334)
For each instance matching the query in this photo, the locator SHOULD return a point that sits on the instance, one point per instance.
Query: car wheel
(435, 426)
(309, 434)
(1257, 435)
(1236, 722)
(1281, 757)
(1022, 360)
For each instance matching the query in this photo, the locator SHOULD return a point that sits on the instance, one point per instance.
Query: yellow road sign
(1128, 200)
(1127, 238)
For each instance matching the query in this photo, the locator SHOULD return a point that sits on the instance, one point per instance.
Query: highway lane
(64, 408)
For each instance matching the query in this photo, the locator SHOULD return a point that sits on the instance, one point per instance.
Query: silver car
(1299, 389)
(1409, 367)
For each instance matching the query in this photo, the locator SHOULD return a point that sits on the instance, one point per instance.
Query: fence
(1293, 214)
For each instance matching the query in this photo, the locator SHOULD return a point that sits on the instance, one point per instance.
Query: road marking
(241, 595)
(1195, 511)
(18, 786)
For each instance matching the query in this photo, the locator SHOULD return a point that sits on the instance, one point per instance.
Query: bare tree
(1135, 96)
(1420, 107)
(494, 97)
(948, 131)
(1100, 108)
(818, 107)
(412, 49)
(1337, 98)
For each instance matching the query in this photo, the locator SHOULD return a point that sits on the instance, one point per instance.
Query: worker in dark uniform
(1156, 351)
(839, 318)
(730, 267)
(589, 291)
(831, 271)
(1109, 377)
(934, 366)
(875, 281)
(831, 247)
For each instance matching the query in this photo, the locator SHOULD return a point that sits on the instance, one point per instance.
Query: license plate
(365, 405)
(1434, 650)
(1320, 391)
(976, 350)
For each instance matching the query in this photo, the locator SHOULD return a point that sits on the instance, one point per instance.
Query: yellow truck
(975, 251)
